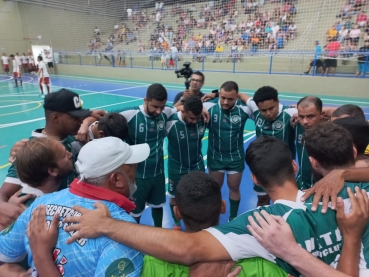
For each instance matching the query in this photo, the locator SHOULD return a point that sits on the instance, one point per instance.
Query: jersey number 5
(181, 134)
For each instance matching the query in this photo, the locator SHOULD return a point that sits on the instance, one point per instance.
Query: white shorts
(228, 172)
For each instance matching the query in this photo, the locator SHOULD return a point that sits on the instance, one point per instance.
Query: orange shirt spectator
(255, 40)
(165, 45)
(332, 32)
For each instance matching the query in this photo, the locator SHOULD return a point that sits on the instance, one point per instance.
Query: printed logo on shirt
(201, 130)
(120, 268)
(260, 122)
(161, 125)
(278, 125)
(235, 119)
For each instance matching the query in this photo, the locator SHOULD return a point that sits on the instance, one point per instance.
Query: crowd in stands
(262, 30)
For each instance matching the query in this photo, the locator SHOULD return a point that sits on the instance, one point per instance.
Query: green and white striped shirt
(184, 145)
(226, 131)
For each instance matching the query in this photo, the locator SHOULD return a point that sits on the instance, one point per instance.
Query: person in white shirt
(24, 62)
(5, 63)
(49, 61)
(129, 13)
(97, 31)
(292, 30)
(43, 76)
(156, 6)
(17, 70)
(31, 62)
(161, 6)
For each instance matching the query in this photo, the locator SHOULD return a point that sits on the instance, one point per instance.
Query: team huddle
(77, 188)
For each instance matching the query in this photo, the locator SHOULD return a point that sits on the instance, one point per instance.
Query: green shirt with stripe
(316, 232)
(305, 178)
(184, 145)
(69, 143)
(279, 128)
(151, 130)
(364, 253)
(226, 127)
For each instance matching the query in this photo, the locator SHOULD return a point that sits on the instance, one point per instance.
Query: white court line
(181, 87)
(6, 80)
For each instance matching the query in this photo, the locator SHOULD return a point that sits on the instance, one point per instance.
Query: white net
(236, 35)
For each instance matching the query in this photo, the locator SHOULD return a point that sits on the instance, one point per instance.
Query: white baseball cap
(101, 156)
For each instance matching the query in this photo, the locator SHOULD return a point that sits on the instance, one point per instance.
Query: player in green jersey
(271, 119)
(359, 130)
(310, 114)
(185, 131)
(63, 115)
(225, 148)
(273, 167)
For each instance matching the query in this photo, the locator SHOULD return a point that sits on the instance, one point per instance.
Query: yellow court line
(39, 104)
(5, 165)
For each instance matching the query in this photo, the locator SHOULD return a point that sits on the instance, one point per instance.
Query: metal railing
(260, 62)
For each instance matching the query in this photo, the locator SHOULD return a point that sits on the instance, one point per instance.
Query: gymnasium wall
(304, 85)
(11, 32)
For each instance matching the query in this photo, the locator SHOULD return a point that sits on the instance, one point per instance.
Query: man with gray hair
(107, 168)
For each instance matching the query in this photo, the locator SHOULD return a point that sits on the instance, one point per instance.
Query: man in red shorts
(43, 76)
(17, 70)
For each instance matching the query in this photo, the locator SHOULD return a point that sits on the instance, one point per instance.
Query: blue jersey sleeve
(119, 260)
(12, 246)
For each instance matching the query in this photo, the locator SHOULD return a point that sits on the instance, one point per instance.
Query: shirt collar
(86, 190)
(90, 130)
(30, 190)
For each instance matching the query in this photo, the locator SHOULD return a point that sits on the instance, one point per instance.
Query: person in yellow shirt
(218, 52)
(332, 32)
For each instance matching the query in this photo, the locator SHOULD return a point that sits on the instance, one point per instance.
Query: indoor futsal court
(21, 112)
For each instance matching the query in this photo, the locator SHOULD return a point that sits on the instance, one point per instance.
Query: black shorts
(50, 64)
(318, 63)
(331, 62)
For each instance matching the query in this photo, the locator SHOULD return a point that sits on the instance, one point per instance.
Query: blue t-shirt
(318, 52)
(85, 257)
(280, 42)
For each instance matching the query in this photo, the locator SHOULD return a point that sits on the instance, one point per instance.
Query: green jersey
(69, 143)
(305, 174)
(279, 128)
(184, 145)
(226, 131)
(151, 130)
(364, 254)
(253, 267)
(316, 232)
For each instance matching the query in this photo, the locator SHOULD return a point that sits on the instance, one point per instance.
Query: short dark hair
(270, 160)
(265, 93)
(359, 130)
(114, 125)
(34, 160)
(12, 56)
(229, 86)
(200, 74)
(350, 110)
(330, 144)
(156, 92)
(199, 200)
(316, 101)
(193, 104)
(39, 58)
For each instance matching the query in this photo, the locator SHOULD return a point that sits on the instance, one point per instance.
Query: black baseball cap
(65, 101)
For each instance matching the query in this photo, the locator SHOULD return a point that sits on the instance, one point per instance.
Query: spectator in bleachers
(358, 4)
(348, 24)
(254, 43)
(278, 43)
(342, 34)
(219, 50)
(292, 31)
(363, 65)
(97, 31)
(332, 33)
(362, 18)
(293, 10)
(129, 13)
(355, 34)
(345, 12)
(338, 26)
